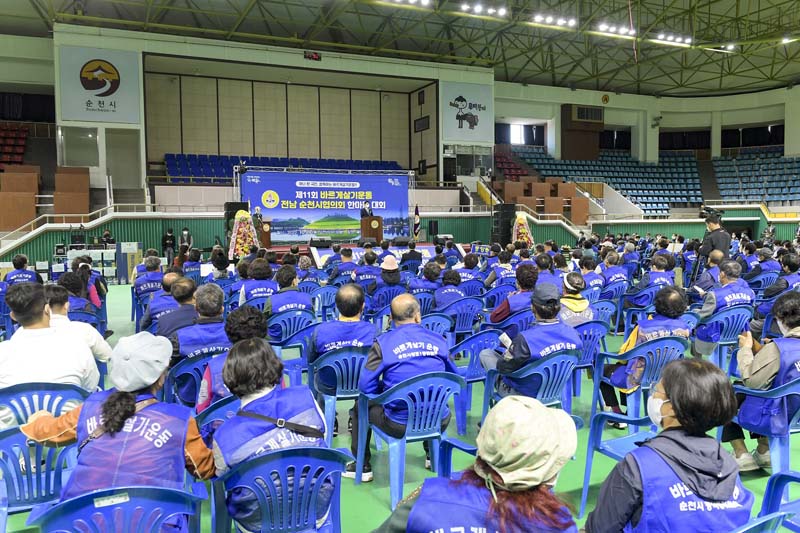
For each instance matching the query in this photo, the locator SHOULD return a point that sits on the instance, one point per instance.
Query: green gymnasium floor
(366, 506)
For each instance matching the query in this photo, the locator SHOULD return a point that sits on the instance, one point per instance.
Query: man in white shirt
(58, 299)
(39, 353)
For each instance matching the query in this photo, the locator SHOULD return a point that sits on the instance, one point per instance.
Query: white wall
(193, 195)
(26, 60)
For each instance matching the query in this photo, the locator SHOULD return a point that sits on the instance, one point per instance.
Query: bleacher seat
(759, 174)
(13, 139)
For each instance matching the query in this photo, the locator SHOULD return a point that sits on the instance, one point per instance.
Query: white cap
(138, 361)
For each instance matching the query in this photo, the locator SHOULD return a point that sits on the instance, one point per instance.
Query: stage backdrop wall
(305, 205)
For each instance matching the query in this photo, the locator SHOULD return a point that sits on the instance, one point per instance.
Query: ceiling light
(730, 47)
(661, 36)
(623, 31)
(412, 1)
(424, 2)
(679, 39)
(786, 40)
(548, 19)
(612, 29)
(571, 22)
(464, 7)
(502, 12)
(688, 40)
(490, 11)
(631, 32)
(478, 8)
(538, 18)
(603, 27)
(561, 22)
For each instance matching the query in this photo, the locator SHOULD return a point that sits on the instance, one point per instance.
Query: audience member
(449, 292)
(58, 298)
(259, 284)
(765, 264)
(141, 268)
(346, 267)
(385, 252)
(185, 314)
(306, 270)
(519, 300)
(575, 309)
(412, 254)
(162, 301)
(207, 334)
(368, 272)
(544, 263)
(469, 270)
(21, 274)
(390, 275)
(150, 280)
(288, 298)
(78, 293)
(788, 280)
(658, 276)
(501, 272)
(429, 281)
(590, 277)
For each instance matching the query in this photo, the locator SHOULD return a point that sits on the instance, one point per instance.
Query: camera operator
(715, 238)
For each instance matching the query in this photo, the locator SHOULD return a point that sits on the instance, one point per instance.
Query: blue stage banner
(305, 205)
(321, 255)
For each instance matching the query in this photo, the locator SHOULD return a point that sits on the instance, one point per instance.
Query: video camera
(705, 211)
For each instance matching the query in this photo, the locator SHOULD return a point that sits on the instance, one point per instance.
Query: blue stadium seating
(219, 168)
(759, 174)
(674, 180)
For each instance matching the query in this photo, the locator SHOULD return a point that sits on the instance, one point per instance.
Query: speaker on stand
(503, 218)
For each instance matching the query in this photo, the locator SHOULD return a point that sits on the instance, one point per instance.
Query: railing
(549, 218)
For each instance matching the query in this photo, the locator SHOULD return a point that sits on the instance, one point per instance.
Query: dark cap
(544, 293)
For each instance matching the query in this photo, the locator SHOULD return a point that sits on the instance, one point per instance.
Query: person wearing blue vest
(575, 309)
(765, 264)
(748, 259)
(335, 258)
(259, 284)
(429, 281)
(367, 248)
(242, 274)
(470, 269)
(451, 251)
(710, 276)
(551, 248)
(385, 252)
(346, 267)
(544, 263)
(161, 303)
(525, 258)
(732, 291)
(547, 336)
(141, 268)
(207, 334)
(682, 479)
(77, 292)
(390, 275)
(492, 259)
(590, 277)
(182, 290)
(509, 488)
(663, 248)
(401, 353)
(125, 436)
(21, 274)
(630, 254)
(250, 257)
(689, 257)
(191, 267)
(368, 272)
(288, 298)
(449, 292)
(306, 271)
(501, 272)
(734, 245)
(519, 300)
(774, 364)
(658, 276)
(220, 275)
(788, 280)
(270, 418)
(613, 273)
(150, 281)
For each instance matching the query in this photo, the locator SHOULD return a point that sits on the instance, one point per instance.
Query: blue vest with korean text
(149, 451)
(519, 301)
(503, 272)
(311, 274)
(544, 339)
(468, 274)
(630, 257)
(614, 274)
(140, 269)
(346, 268)
(554, 279)
(160, 304)
(444, 296)
(444, 507)
(770, 265)
(793, 280)
(191, 267)
(669, 505)
(76, 303)
(592, 279)
(217, 384)
(661, 279)
(290, 300)
(20, 276)
(337, 334)
(736, 293)
(148, 282)
(408, 351)
(259, 288)
(689, 259)
(751, 261)
(202, 339)
(767, 416)
(422, 285)
(367, 272)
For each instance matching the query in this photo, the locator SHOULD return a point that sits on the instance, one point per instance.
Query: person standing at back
(21, 274)
(715, 238)
(168, 245)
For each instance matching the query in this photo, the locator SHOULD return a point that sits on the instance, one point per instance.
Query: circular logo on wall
(605, 99)
(100, 75)
(270, 199)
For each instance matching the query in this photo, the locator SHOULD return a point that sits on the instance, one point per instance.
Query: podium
(372, 228)
(265, 234)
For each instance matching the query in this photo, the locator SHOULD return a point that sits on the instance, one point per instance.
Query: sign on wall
(306, 205)
(467, 112)
(97, 85)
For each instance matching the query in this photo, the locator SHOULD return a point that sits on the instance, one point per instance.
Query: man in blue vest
(259, 284)
(402, 353)
(369, 271)
(775, 364)
(612, 273)
(368, 246)
(551, 248)
(748, 259)
(732, 291)
(492, 259)
(547, 336)
(345, 267)
(252, 255)
(161, 303)
(501, 271)
(789, 280)
(765, 264)
(191, 268)
(630, 254)
(429, 281)
(519, 300)
(150, 281)
(658, 276)
(590, 277)
(449, 292)
(21, 274)
(141, 269)
(544, 263)
(450, 250)
(710, 276)
(385, 252)
(288, 298)
(182, 290)
(207, 334)
(470, 269)
(335, 257)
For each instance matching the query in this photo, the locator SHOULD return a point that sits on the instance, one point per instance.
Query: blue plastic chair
(691, 320)
(285, 504)
(301, 341)
(44, 469)
(140, 303)
(552, 372)
(592, 334)
(8, 325)
(465, 312)
(219, 411)
(25, 399)
(656, 353)
(494, 297)
(779, 446)
(384, 295)
(128, 510)
(290, 322)
(604, 310)
(378, 318)
(513, 325)
(308, 286)
(446, 447)
(438, 323)
(406, 277)
(340, 280)
(472, 287)
(765, 524)
(3, 507)
(231, 303)
(639, 312)
(774, 497)
(346, 364)
(732, 322)
(258, 302)
(592, 294)
(470, 349)
(426, 398)
(411, 266)
(86, 317)
(425, 300)
(325, 302)
(187, 375)
(762, 281)
(615, 292)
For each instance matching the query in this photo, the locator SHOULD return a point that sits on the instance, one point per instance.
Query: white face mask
(186, 233)
(654, 410)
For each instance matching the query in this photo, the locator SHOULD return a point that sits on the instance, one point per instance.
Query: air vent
(584, 113)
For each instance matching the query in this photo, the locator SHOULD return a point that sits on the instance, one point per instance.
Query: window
(517, 134)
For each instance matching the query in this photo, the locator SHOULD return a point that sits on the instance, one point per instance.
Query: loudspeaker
(230, 213)
(438, 241)
(433, 228)
(320, 242)
(502, 222)
(401, 241)
(372, 240)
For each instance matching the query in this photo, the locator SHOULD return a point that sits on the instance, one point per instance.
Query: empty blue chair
(31, 473)
(383, 296)
(764, 524)
(340, 280)
(774, 497)
(470, 349)
(411, 265)
(604, 310)
(301, 341)
(592, 335)
(346, 364)
(515, 324)
(289, 323)
(615, 292)
(446, 447)
(218, 412)
(761, 282)
(378, 318)
(126, 510)
(426, 398)
(465, 313)
(552, 372)
(259, 302)
(25, 399)
(494, 297)
(472, 287)
(425, 300)
(324, 300)
(285, 504)
(438, 323)
(592, 294)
